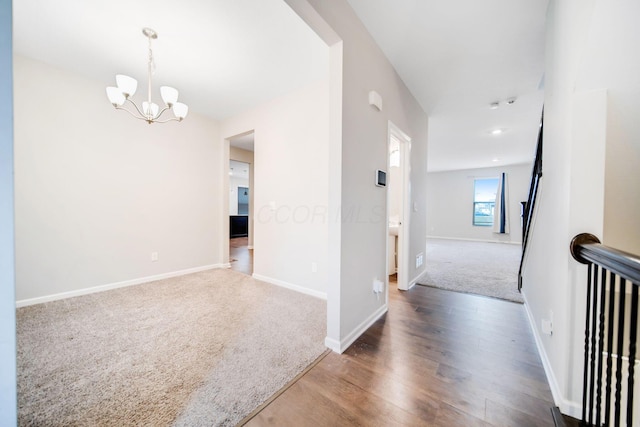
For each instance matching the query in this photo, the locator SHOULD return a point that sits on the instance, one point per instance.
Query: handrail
(586, 249)
(530, 205)
(607, 399)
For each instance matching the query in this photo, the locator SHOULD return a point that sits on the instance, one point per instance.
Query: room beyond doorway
(240, 256)
(241, 202)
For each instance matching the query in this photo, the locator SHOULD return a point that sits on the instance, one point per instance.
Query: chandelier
(150, 112)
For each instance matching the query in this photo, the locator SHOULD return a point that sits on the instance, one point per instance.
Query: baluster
(620, 347)
(603, 296)
(587, 333)
(610, 316)
(594, 318)
(633, 334)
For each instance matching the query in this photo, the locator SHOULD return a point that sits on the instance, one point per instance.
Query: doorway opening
(398, 198)
(240, 207)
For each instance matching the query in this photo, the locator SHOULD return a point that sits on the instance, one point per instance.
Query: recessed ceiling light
(496, 132)
(511, 101)
(495, 160)
(494, 105)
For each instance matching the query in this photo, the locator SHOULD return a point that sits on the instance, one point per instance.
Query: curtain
(501, 211)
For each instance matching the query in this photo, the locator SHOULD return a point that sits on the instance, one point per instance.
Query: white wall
(591, 108)
(611, 60)
(97, 191)
(290, 187)
(364, 148)
(450, 203)
(8, 404)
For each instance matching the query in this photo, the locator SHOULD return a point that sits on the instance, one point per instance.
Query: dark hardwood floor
(240, 256)
(437, 358)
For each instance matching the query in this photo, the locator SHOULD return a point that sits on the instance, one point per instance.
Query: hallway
(240, 256)
(437, 358)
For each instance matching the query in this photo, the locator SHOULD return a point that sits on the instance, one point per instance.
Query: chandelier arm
(142, 115)
(172, 119)
(160, 113)
(139, 117)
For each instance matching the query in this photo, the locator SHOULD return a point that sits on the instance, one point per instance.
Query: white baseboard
(464, 239)
(332, 344)
(342, 345)
(107, 287)
(297, 288)
(573, 409)
(414, 281)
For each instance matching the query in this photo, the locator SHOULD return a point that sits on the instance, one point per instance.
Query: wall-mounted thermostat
(381, 178)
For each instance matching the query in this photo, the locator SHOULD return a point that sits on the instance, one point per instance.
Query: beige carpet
(203, 349)
(488, 269)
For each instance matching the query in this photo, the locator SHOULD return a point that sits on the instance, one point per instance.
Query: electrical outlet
(419, 259)
(154, 256)
(547, 324)
(378, 286)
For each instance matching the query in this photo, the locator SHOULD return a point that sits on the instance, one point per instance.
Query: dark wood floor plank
(439, 349)
(361, 404)
(438, 358)
(383, 385)
(448, 416)
(302, 405)
(501, 415)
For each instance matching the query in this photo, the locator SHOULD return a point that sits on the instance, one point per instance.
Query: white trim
(110, 286)
(405, 212)
(340, 347)
(414, 282)
(475, 240)
(567, 407)
(297, 288)
(332, 344)
(249, 246)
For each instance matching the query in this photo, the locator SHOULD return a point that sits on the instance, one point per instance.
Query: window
(484, 200)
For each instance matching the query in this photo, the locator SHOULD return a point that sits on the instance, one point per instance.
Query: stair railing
(529, 206)
(609, 350)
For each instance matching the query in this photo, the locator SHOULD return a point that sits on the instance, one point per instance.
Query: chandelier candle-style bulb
(150, 112)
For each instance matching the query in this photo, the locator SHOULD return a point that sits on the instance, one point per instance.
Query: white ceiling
(459, 56)
(226, 56)
(238, 169)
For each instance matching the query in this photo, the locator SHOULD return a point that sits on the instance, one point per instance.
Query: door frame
(405, 209)
(226, 158)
